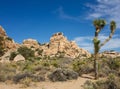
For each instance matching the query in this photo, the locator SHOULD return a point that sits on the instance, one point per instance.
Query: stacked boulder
(59, 44)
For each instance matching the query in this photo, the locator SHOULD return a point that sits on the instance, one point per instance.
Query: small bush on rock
(12, 56)
(26, 52)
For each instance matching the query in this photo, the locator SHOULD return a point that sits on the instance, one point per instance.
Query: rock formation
(7, 41)
(110, 54)
(2, 32)
(31, 43)
(59, 44)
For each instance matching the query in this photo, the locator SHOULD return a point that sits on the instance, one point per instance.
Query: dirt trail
(72, 84)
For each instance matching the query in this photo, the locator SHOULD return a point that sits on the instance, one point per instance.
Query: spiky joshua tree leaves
(99, 25)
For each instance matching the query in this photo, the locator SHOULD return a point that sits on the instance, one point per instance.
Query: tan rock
(2, 31)
(59, 43)
(19, 58)
(31, 43)
(5, 58)
(109, 54)
(8, 43)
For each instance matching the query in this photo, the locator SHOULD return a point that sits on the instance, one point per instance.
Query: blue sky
(39, 19)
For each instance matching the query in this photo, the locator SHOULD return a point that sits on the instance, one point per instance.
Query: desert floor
(72, 84)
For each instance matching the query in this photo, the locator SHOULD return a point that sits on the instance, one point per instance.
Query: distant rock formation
(59, 44)
(31, 43)
(8, 42)
(110, 54)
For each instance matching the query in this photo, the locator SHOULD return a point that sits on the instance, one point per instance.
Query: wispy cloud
(109, 9)
(86, 42)
(63, 15)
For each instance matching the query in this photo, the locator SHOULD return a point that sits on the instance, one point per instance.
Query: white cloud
(109, 9)
(86, 43)
(63, 15)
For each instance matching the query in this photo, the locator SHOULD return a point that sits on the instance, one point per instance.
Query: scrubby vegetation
(61, 69)
(112, 82)
(26, 52)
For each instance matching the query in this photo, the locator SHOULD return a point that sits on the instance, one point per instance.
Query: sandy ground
(72, 84)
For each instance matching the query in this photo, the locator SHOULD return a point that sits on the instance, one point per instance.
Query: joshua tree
(99, 25)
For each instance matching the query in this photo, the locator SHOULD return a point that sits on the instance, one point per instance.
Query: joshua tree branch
(110, 36)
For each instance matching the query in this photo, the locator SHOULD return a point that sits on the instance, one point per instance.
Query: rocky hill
(8, 42)
(59, 45)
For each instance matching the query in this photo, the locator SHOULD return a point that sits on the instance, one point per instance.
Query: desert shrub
(40, 51)
(38, 58)
(28, 66)
(26, 52)
(12, 56)
(54, 62)
(7, 71)
(19, 77)
(60, 54)
(108, 66)
(83, 66)
(26, 81)
(2, 78)
(114, 64)
(62, 75)
(112, 82)
(88, 85)
(45, 63)
(38, 78)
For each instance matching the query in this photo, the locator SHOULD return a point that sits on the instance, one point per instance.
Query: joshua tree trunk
(96, 52)
(96, 65)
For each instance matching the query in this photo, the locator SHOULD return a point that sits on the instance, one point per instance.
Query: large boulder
(19, 57)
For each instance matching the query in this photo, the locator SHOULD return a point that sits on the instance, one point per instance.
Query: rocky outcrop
(31, 43)
(8, 43)
(109, 54)
(59, 44)
(5, 58)
(2, 32)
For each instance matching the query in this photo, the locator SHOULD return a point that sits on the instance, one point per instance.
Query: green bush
(7, 71)
(26, 52)
(112, 82)
(107, 66)
(83, 66)
(12, 56)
